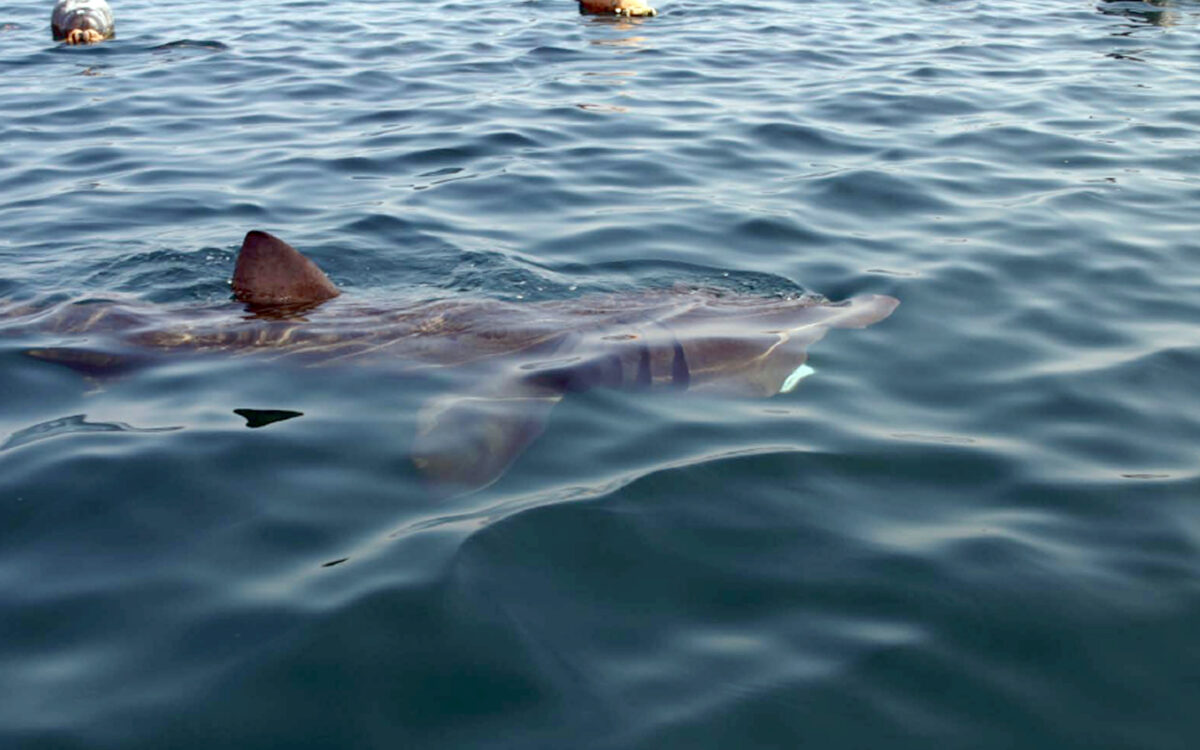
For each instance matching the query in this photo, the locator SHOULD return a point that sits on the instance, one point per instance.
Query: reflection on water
(620, 23)
(71, 425)
(602, 108)
(1153, 12)
(201, 44)
(634, 42)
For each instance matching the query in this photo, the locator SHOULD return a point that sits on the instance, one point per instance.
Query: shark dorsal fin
(269, 271)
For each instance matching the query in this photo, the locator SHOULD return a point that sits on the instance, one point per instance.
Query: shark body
(522, 359)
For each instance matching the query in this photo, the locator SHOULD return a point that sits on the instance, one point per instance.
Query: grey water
(976, 526)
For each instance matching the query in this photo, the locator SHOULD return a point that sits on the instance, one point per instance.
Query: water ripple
(974, 526)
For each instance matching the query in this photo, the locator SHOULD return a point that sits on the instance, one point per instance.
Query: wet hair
(69, 15)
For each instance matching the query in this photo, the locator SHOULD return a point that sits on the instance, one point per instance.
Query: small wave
(72, 425)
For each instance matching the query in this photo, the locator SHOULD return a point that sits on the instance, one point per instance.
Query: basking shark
(518, 359)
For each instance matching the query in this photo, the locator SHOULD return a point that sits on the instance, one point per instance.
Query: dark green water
(978, 525)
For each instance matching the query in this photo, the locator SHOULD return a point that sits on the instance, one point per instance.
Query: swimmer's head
(81, 21)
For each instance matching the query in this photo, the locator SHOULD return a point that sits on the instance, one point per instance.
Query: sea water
(977, 525)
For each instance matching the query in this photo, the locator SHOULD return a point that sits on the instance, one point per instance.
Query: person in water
(616, 8)
(81, 21)
(91, 21)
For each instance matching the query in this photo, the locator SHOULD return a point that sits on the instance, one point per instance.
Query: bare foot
(83, 36)
(617, 7)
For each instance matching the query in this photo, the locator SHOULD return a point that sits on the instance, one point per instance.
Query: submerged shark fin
(269, 272)
(89, 362)
(465, 441)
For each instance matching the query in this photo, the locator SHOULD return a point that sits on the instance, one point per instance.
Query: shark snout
(864, 310)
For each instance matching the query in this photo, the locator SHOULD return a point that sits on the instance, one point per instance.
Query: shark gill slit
(680, 374)
(614, 362)
(643, 372)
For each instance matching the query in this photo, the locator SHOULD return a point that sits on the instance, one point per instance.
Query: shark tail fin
(270, 272)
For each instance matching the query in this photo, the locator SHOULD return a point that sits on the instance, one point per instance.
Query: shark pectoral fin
(465, 442)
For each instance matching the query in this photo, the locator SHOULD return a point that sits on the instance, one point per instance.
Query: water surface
(976, 526)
